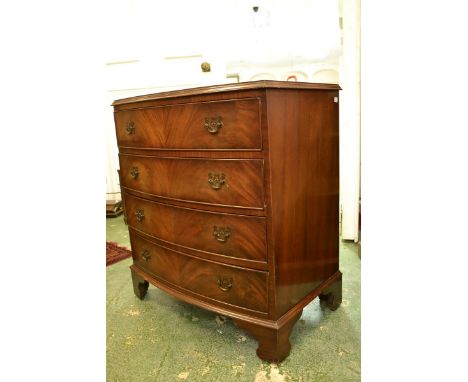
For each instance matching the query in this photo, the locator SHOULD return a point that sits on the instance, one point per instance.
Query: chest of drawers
(231, 198)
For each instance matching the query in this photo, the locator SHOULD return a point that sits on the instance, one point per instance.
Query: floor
(164, 339)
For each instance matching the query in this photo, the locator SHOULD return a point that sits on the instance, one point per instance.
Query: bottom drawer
(236, 286)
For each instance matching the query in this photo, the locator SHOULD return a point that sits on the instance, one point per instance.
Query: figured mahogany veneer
(183, 126)
(236, 183)
(231, 196)
(226, 235)
(235, 286)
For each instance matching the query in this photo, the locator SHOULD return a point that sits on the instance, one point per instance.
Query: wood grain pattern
(182, 126)
(188, 179)
(226, 88)
(213, 154)
(195, 229)
(281, 202)
(273, 343)
(248, 290)
(304, 167)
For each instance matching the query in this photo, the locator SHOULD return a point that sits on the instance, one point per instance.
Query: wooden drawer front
(232, 285)
(225, 234)
(189, 179)
(182, 126)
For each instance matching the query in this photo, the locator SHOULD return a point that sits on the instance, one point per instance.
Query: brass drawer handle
(130, 128)
(216, 181)
(222, 234)
(134, 172)
(224, 283)
(212, 125)
(146, 255)
(140, 215)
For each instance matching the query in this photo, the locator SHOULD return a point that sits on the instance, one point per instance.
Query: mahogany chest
(231, 198)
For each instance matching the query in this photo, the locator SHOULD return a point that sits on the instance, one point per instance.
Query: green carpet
(164, 339)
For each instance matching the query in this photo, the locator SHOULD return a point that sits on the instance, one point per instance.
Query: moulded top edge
(263, 84)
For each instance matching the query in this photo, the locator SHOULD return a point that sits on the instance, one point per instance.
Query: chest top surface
(250, 85)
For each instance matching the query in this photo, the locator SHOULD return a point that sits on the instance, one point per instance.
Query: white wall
(350, 120)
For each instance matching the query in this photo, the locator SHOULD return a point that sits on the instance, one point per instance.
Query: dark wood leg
(332, 295)
(140, 285)
(273, 343)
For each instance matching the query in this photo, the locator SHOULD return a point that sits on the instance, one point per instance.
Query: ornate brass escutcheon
(212, 125)
(140, 215)
(216, 181)
(146, 255)
(130, 127)
(134, 172)
(222, 234)
(224, 283)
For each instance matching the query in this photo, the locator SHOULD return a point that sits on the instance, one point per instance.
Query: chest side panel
(304, 170)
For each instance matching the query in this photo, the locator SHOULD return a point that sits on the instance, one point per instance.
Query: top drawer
(216, 125)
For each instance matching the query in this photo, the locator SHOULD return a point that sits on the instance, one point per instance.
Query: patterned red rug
(115, 253)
